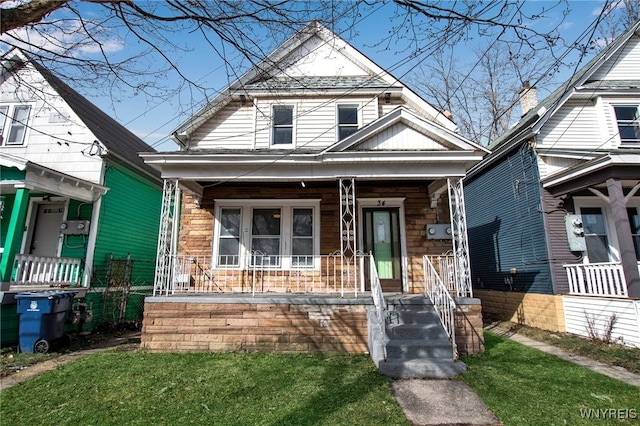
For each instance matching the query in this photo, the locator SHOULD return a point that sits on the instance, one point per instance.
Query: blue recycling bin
(42, 315)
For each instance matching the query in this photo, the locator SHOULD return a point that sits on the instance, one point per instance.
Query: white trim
(357, 105)
(30, 219)
(91, 243)
(388, 202)
(246, 207)
(587, 202)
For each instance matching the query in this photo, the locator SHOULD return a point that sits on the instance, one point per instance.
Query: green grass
(138, 388)
(524, 386)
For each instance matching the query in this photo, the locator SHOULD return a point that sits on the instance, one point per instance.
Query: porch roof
(36, 177)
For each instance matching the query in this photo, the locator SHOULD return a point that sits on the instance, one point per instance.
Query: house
(313, 186)
(553, 212)
(79, 207)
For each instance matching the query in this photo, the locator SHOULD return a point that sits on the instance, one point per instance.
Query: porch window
(347, 120)
(628, 118)
(13, 124)
(282, 119)
(634, 223)
(595, 234)
(267, 233)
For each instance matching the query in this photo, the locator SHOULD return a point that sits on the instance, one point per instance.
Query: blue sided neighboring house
(80, 209)
(553, 212)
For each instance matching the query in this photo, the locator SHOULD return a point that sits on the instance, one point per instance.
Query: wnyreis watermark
(609, 413)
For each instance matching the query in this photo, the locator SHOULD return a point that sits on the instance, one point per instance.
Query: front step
(417, 346)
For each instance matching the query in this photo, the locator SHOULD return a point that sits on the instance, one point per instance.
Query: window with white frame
(13, 124)
(595, 234)
(282, 125)
(628, 118)
(270, 234)
(347, 120)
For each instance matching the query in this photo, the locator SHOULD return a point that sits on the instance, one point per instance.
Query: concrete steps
(417, 346)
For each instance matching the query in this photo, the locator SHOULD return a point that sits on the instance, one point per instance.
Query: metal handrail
(379, 303)
(442, 301)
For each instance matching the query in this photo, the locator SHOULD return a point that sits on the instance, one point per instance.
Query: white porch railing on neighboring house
(597, 279)
(443, 302)
(261, 273)
(40, 270)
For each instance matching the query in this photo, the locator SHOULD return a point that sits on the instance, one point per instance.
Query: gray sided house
(311, 204)
(79, 207)
(554, 210)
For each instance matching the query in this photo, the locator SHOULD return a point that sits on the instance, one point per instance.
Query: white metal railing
(445, 266)
(442, 301)
(597, 279)
(261, 273)
(379, 303)
(41, 270)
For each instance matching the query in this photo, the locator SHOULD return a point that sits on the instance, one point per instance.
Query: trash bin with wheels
(42, 318)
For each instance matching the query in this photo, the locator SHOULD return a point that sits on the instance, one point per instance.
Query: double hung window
(595, 233)
(260, 233)
(347, 120)
(13, 124)
(282, 131)
(628, 118)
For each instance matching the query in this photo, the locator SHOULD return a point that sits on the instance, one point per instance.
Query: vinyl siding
(60, 138)
(505, 226)
(574, 126)
(400, 137)
(232, 127)
(128, 222)
(599, 311)
(623, 65)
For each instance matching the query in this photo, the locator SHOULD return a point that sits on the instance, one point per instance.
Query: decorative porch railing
(260, 273)
(443, 303)
(445, 267)
(379, 303)
(41, 270)
(597, 279)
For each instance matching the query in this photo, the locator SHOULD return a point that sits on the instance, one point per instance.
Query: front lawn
(524, 386)
(137, 388)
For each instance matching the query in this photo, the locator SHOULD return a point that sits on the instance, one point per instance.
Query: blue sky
(153, 121)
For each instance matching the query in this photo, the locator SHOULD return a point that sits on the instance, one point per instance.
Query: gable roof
(534, 119)
(118, 140)
(267, 76)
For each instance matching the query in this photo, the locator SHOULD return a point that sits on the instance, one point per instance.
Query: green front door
(382, 239)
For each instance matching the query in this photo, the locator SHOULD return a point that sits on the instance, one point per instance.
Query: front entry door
(382, 238)
(46, 232)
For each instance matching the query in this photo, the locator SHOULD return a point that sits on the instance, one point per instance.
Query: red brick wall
(251, 327)
(469, 331)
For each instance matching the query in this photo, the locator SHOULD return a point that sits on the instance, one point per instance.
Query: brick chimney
(528, 98)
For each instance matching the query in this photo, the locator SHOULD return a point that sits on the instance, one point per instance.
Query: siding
(579, 311)
(505, 226)
(622, 66)
(61, 136)
(400, 137)
(232, 127)
(75, 246)
(575, 125)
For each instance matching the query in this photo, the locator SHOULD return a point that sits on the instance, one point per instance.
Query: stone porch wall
(468, 323)
(186, 324)
(536, 310)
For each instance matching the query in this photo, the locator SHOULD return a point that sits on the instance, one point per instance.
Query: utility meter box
(575, 232)
(74, 227)
(439, 231)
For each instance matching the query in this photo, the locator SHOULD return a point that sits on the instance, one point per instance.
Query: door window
(634, 223)
(595, 234)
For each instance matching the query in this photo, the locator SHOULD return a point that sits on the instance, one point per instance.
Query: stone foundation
(536, 310)
(279, 325)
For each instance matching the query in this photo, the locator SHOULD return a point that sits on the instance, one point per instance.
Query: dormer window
(13, 124)
(628, 119)
(282, 119)
(347, 120)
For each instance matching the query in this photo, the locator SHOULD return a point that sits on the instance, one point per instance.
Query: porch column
(13, 239)
(348, 240)
(168, 237)
(621, 222)
(460, 239)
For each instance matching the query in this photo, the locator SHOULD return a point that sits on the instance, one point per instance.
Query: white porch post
(460, 239)
(348, 240)
(168, 237)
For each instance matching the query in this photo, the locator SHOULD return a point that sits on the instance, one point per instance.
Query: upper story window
(282, 119)
(628, 118)
(13, 124)
(347, 120)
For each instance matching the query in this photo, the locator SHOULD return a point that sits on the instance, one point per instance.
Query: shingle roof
(318, 82)
(114, 136)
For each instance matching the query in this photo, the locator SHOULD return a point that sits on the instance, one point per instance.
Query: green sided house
(315, 205)
(79, 208)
